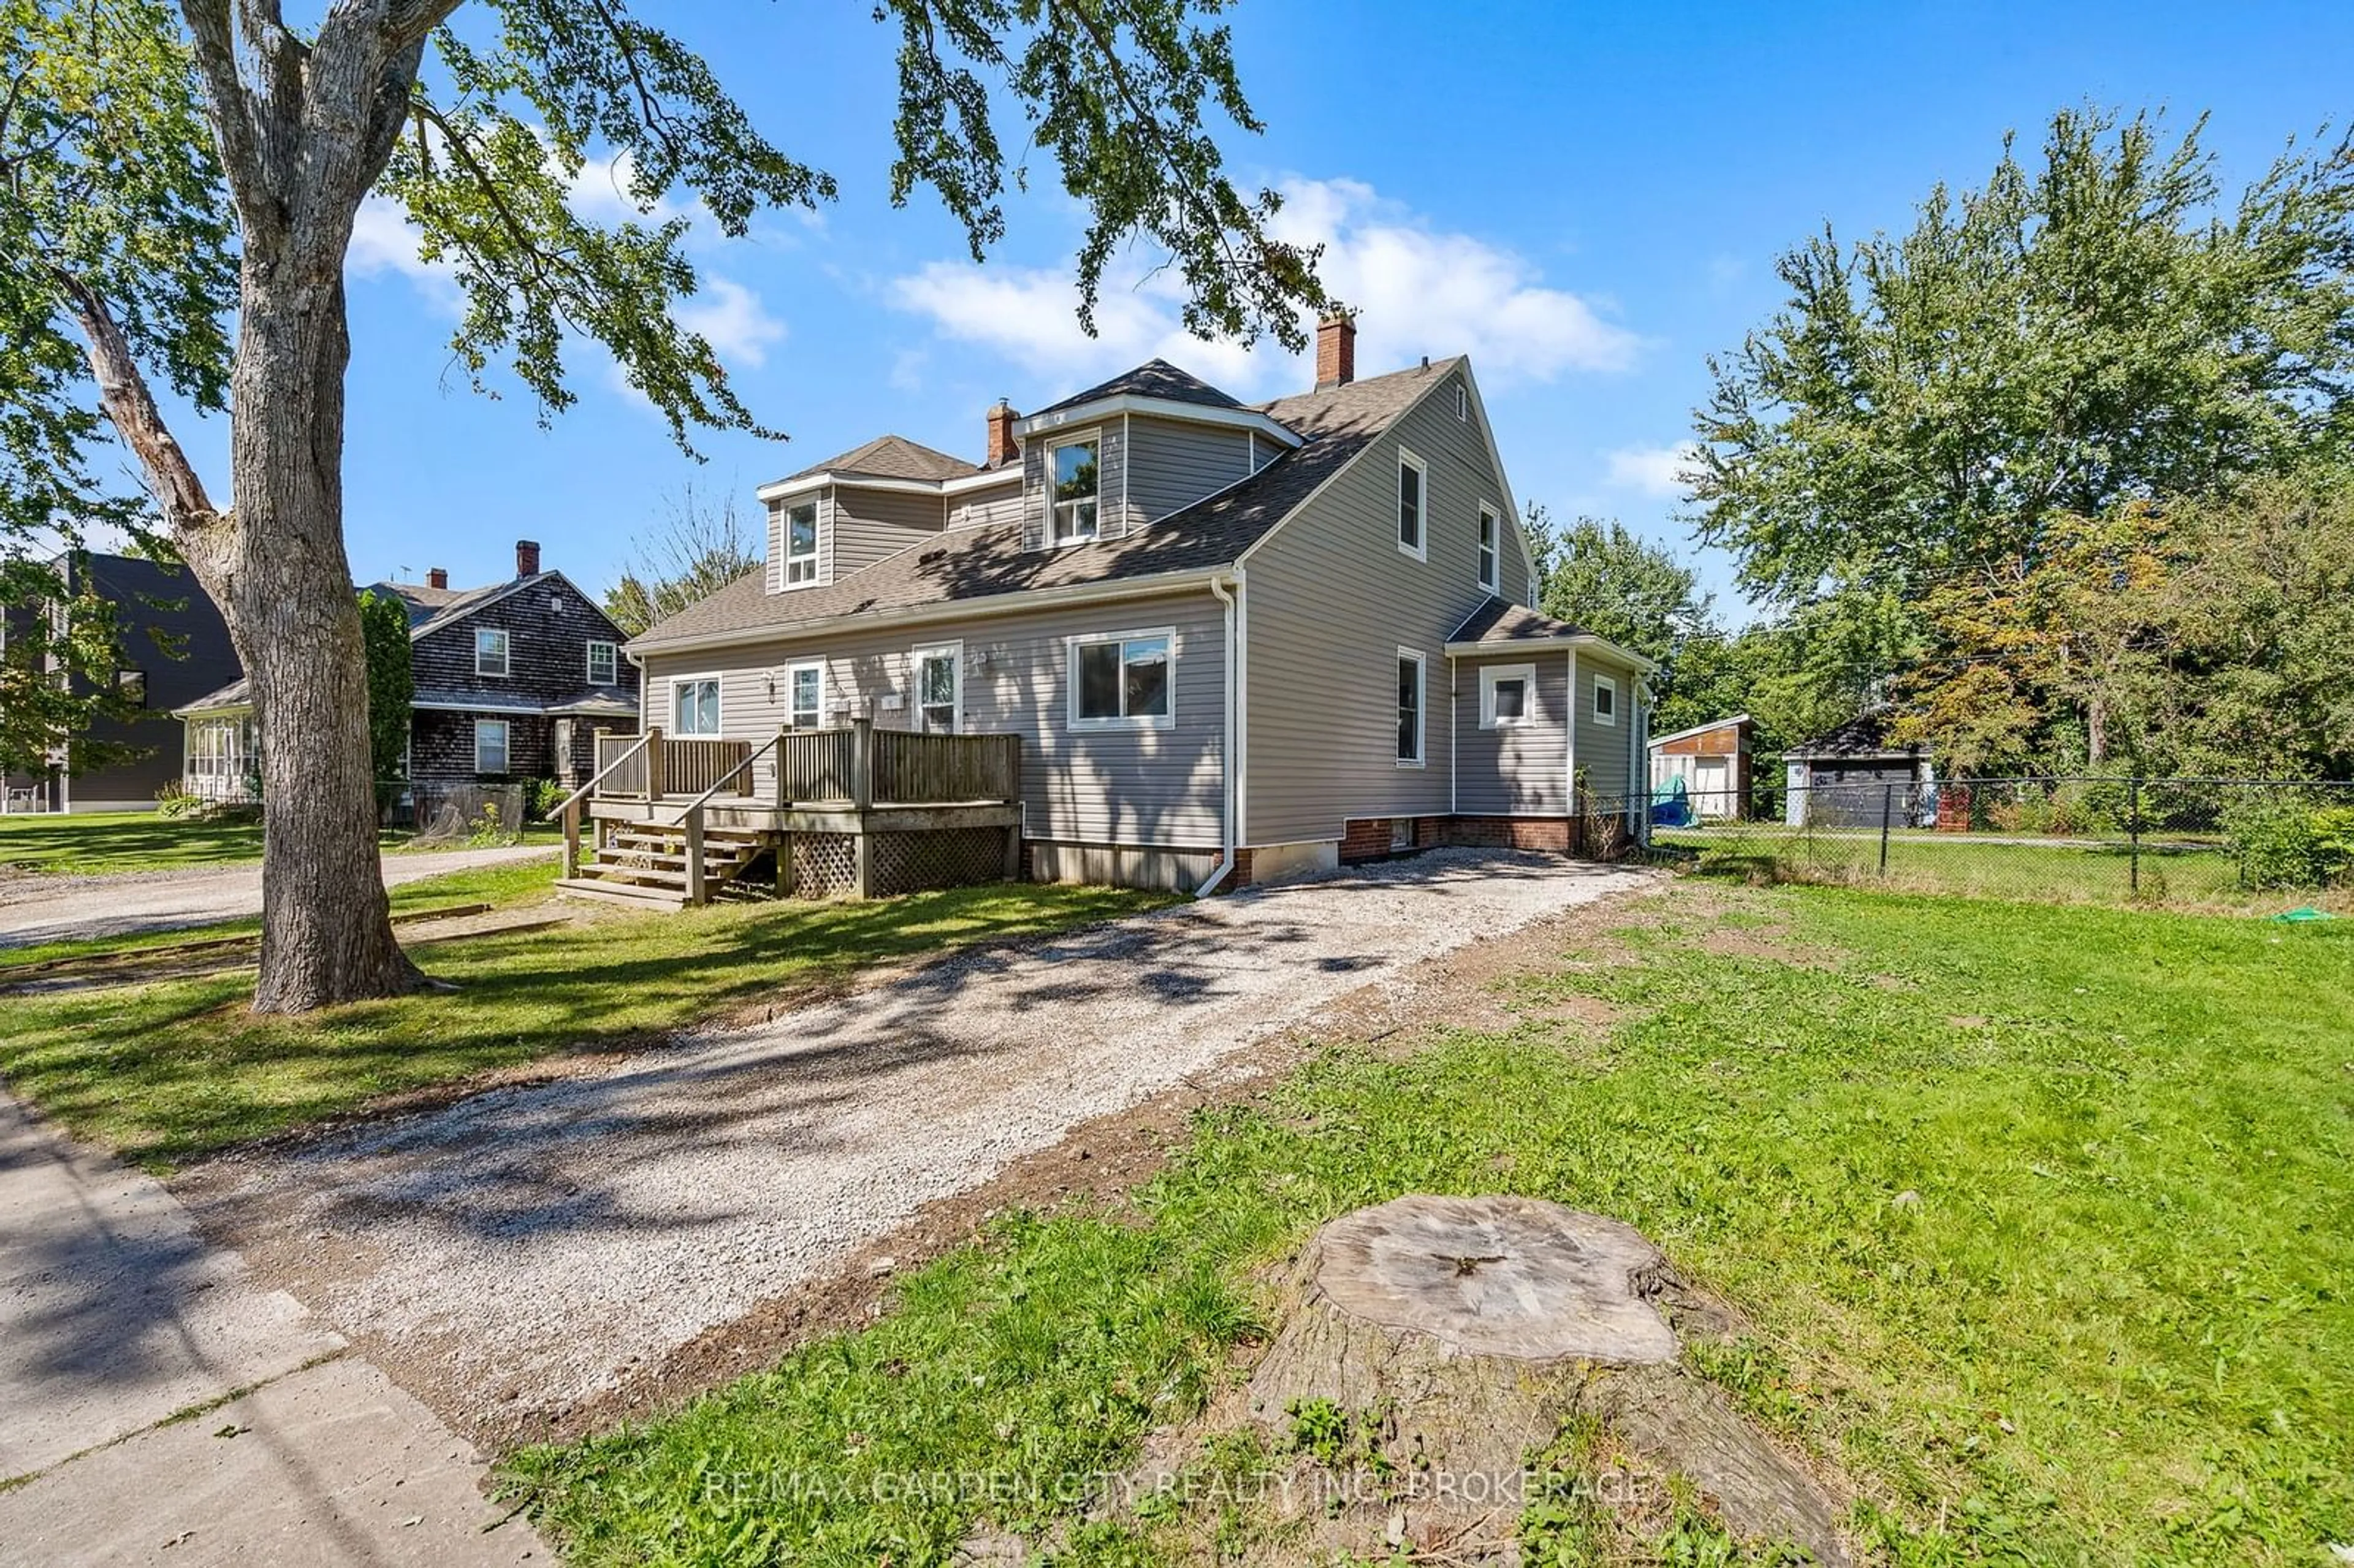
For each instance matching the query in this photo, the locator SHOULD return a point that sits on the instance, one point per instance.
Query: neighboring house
(1236, 641)
(1712, 761)
(1853, 776)
(512, 681)
(173, 646)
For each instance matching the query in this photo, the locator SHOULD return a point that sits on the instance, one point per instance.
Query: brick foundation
(1550, 836)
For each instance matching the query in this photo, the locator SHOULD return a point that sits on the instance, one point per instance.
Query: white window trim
(1489, 674)
(1610, 720)
(785, 539)
(1488, 558)
(1071, 646)
(613, 651)
(954, 653)
(792, 673)
(1420, 548)
(1462, 402)
(1054, 540)
(1421, 758)
(506, 746)
(719, 699)
(506, 652)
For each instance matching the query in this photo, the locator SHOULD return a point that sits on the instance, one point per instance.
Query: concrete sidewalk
(169, 1410)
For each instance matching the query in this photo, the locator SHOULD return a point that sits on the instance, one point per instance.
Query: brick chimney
(526, 557)
(438, 577)
(1336, 351)
(1001, 435)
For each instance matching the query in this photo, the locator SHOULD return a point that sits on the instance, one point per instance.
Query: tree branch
(130, 406)
(213, 35)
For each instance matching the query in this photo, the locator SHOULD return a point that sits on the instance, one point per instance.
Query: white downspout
(1226, 853)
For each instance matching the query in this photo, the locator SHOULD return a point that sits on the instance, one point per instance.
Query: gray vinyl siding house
(1234, 642)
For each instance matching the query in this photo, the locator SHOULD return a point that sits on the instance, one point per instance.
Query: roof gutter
(1016, 603)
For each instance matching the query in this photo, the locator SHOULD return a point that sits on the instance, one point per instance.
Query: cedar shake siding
(1332, 598)
(1130, 787)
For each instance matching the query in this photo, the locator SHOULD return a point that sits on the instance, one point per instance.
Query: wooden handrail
(580, 794)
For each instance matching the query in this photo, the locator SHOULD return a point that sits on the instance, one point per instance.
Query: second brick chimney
(526, 557)
(1002, 449)
(1336, 352)
(438, 577)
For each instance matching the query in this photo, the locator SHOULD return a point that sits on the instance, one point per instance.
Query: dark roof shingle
(893, 457)
(1501, 625)
(988, 562)
(1153, 379)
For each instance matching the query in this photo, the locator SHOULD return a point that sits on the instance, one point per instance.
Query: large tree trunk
(326, 925)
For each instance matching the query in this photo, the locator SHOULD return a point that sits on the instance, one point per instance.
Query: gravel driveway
(36, 908)
(528, 1244)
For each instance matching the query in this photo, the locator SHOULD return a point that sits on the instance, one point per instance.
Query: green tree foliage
(1598, 574)
(699, 546)
(58, 667)
(391, 682)
(2097, 326)
(2200, 637)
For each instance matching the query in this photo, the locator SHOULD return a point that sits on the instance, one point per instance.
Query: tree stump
(1446, 1340)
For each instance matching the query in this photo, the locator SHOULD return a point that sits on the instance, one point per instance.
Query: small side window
(1491, 529)
(1605, 700)
(1507, 696)
(1413, 502)
(490, 651)
(604, 664)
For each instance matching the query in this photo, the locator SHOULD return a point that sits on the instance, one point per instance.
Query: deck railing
(851, 764)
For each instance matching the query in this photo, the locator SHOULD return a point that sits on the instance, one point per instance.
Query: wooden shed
(1713, 762)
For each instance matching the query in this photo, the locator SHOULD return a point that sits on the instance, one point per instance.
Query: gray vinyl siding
(1603, 749)
(981, 508)
(1172, 464)
(1522, 770)
(1113, 512)
(1145, 786)
(864, 525)
(1332, 598)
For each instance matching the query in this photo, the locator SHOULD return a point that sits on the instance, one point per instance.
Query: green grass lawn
(104, 842)
(166, 1073)
(2175, 874)
(2113, 1324)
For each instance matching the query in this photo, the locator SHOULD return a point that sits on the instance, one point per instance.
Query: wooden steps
(643, 865)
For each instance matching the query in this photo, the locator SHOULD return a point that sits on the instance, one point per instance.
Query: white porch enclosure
(221, 758)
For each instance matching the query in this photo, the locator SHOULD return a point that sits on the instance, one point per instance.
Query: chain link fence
(2244, 844)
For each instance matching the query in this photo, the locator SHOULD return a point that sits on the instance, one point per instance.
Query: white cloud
(383, 241)
(1652, 470)
(732, 318)
(1417, 290)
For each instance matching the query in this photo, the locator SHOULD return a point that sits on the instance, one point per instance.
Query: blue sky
(1588, 199)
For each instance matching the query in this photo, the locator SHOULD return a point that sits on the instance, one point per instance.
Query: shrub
(2290, 844)
(175, 799)
(543, 796)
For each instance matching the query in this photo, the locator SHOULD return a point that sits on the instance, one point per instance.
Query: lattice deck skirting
(825, 865)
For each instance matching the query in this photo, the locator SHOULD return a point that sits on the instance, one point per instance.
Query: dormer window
(801, 543)
(1073, 467)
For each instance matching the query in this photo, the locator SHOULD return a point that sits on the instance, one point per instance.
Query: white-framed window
(1124, 680)
(490, 746)
(801, 545)
(1605, 700)
(695, 705)
(805, 695)
(1463, 402)
(132, 685)
(1491, 533)
(490, 651)
(1073, 470)
(939, 688)
(1414, 504)
(1508, 696)
(1409, 708)
(604, 664)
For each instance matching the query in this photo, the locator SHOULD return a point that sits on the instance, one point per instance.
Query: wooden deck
(844, 811)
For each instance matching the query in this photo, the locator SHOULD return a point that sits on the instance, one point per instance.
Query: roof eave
(1099, 408)
(987, 607)
(1583, 639)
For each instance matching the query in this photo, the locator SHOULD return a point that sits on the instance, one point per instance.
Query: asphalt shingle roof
(988, 562)
(1502, 625)
(1863, 736)
(1153, 379)
(893, 457)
